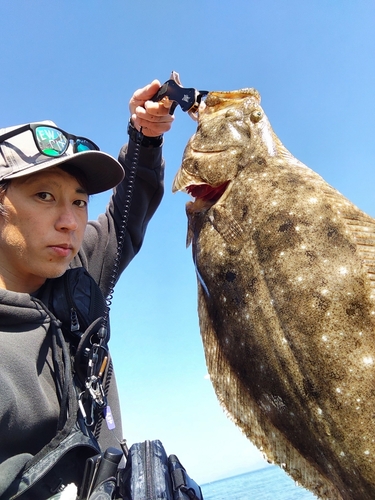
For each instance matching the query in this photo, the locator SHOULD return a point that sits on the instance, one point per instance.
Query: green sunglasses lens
(85, 145)
(51, 141)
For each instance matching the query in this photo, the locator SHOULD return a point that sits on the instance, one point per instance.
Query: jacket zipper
(148, 471)
(74, 313)
(74, 322)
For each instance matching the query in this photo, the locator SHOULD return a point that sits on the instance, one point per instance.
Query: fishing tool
(189, 99)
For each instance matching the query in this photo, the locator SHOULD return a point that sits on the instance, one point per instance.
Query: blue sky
(78, 62)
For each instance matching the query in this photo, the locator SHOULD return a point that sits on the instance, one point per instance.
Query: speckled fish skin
(285, 268)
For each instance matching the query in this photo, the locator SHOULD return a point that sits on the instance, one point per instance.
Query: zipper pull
(74, 323)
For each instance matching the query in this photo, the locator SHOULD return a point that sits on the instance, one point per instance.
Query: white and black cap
(20, 156)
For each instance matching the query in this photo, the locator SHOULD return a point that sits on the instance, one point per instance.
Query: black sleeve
(99, 247)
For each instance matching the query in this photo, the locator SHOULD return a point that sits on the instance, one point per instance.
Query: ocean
(269, 483)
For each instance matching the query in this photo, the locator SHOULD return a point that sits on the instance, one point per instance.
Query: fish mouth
(207, 193)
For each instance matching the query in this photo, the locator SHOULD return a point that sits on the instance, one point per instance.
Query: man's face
(43, 229)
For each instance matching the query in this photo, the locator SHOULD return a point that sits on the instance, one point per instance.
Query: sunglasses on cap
(52, 141)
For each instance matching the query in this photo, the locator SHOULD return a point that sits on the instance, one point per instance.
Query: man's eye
(81, 203)
(45, 196)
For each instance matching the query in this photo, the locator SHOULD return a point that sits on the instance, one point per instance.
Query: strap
(61, 460)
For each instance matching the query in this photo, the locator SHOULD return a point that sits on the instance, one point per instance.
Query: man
(47, 299)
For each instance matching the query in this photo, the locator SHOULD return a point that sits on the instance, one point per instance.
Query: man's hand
(153, 117)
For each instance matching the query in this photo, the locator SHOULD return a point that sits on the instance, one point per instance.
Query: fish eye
(256, 115)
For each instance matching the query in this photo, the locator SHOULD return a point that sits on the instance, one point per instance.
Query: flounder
(286, 286)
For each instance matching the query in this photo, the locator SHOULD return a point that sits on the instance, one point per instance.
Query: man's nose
(66, 220)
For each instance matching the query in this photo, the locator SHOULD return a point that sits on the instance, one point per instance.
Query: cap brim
(101, 170)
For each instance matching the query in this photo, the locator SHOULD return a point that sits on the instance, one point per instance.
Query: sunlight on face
(43, 229)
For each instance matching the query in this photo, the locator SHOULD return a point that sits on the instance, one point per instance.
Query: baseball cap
(20, 156)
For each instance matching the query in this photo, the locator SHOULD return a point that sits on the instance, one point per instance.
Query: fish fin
(195, 219)
(189, 235)
(285, 154)
(245, 413)
(225, 224)
(361, 228)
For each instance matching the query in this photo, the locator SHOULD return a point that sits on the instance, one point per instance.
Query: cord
(123, 225)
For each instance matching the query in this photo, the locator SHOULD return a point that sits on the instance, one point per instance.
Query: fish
(285, 268)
